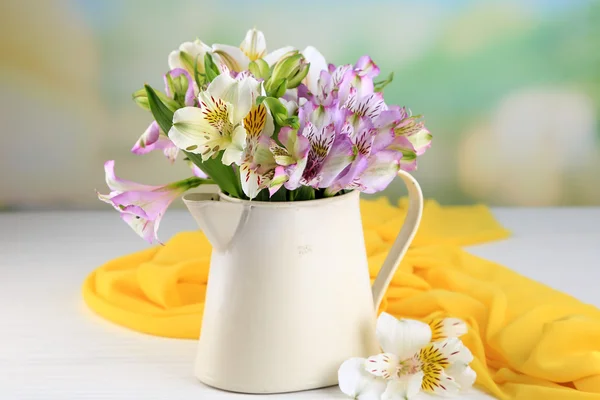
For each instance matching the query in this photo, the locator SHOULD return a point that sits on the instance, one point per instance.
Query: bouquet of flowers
(278, 126)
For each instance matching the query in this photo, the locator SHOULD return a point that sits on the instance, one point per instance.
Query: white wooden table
(53, 347)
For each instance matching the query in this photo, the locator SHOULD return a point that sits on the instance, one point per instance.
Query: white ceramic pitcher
(289, 296)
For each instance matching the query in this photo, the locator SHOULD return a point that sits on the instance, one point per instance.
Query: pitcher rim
(287, 204)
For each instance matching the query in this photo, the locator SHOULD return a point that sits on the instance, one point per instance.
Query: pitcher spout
(219, 220)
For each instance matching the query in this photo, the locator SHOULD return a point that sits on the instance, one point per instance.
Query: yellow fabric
(529, 341)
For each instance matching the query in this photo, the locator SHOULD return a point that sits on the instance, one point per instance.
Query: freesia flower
(414, 359)
(212, 127)
(143, 206)
(252, 48)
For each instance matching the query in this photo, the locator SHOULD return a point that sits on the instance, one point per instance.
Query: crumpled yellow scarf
(529, 341)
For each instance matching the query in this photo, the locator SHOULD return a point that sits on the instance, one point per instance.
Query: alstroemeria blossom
(412, 361)
(143, 206)
(291, 158)
(252, 48)
(212, 127)
(257, 164)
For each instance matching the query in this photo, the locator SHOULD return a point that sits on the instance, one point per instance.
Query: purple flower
(143, 206)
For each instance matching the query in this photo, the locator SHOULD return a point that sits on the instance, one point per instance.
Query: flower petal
(254, 45)
(240, 93)
(436, 381)
(148, 138)
(366, 67)
(463, 375)
(442, 328)
(317, 64)
(190, 130)
(194, 50)
(385, 365)
(189, 93)
(278, 180)
(256, 122)
(142, 226)
(381, 171)
(454, 351)
(370, 106)
(403, 337)
(436, 357)
(321, 140)
(169, 150)
(421, 141)
(252, 181)
(121, 185)
(233, 152)
(205, 130)
(276, 55)
(196, 170)
(405, 387)
(152, 203)
(152, 139)
(233, 57)
(339, 157)
(357, 383)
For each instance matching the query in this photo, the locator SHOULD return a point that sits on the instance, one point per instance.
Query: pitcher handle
(403, 240)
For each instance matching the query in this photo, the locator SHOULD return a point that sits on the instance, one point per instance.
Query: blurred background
(509, 89)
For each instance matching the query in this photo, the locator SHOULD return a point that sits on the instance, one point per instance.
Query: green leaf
(280, 195)
(225, 176)
(211, 69)
(382, 84)
(302, 193)
(162, 114)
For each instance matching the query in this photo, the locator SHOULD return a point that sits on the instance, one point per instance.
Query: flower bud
(260, 69)
(296, 80)
(141, 99)
(280, 89)
(287, 66)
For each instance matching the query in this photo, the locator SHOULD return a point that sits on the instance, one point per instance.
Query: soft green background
(509, 89)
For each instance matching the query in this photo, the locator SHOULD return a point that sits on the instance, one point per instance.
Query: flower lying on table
(278, 126)
(417, 357)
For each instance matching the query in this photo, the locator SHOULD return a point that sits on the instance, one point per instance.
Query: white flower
(217, 124)
(411, 362)
(252, 48)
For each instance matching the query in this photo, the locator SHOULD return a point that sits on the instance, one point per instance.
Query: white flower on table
(411, 361)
